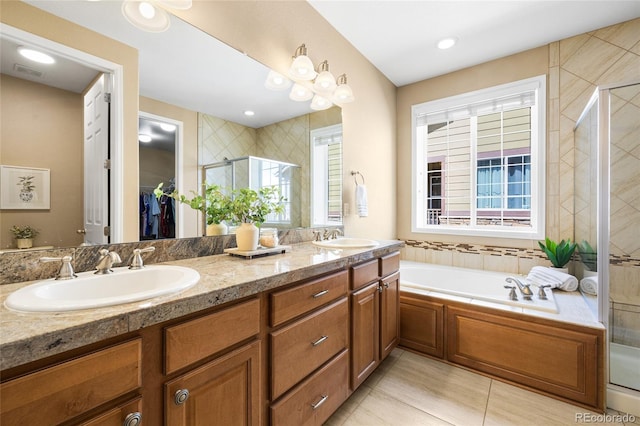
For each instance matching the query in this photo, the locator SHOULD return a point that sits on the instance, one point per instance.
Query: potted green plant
(558, 253)
(24, 235)
(214, 205)
(588, 256)
(250, 209)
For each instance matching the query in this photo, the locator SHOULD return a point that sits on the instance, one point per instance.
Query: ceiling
(400, 37)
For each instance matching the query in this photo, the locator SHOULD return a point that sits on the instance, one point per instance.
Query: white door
(96, 154)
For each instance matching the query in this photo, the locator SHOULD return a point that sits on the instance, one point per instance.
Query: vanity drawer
(315, 399)
(290, 303)
(389, 264)
(298, 349)
(364, 273)
(194, 340)
(59, 393)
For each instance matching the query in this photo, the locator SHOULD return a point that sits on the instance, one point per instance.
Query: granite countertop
(26, 337)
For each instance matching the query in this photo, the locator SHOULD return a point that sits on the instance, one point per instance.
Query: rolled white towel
(541, 275)
(589, 285)
(362, 204)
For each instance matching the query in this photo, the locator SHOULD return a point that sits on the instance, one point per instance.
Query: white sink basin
(93, 291)
(347, 242)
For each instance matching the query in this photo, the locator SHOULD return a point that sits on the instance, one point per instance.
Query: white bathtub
(472, 284)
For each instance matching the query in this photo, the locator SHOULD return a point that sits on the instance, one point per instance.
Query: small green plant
(251, 206)
(23, 232)
(558, 253)
(588, 256)
(214, 205)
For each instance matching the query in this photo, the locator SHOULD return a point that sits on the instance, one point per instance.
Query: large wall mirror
(189, 78)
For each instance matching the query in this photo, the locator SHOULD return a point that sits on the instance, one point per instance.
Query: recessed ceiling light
(167, 127)
(144, 138)
(146, 16)
(447, 43)
(36, 55)
(249, 113)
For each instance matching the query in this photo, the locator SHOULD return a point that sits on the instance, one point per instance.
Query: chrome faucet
(107, 259)
(66, 270)
(136, 260)
(333, 234)
(524, 288)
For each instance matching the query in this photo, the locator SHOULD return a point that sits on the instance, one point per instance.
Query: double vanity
(280, 340)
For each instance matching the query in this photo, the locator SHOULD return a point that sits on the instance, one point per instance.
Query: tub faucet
(107, 259)
(524, 288)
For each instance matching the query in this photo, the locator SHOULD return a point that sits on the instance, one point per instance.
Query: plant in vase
(558, 253)
(250, 209)
(214, 205)
(24, 235)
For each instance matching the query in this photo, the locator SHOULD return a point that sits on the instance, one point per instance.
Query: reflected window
(326, 176)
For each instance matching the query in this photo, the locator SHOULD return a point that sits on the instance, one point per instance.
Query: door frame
(114, 85)
(178, 166)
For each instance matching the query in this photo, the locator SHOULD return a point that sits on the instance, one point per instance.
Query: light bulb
(300, 93)
(147, 10)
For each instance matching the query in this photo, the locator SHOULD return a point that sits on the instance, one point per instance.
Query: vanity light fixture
(447, 43)
(146, 15)
(302, 67)
(36, 55)
(343, 93)
(325, 81)
(144, 138)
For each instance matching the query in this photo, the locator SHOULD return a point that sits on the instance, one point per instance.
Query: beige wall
(41, 127)
(270, 31)
(20, 15)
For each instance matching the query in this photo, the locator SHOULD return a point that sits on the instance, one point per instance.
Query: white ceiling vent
(23, 69)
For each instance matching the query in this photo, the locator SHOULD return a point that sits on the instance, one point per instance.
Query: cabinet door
(365, 334)
(225, 391)
(422, 325)
(389, 314)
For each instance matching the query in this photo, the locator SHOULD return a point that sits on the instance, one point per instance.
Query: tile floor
(398, 393)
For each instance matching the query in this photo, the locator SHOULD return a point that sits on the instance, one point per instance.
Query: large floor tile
(510, 405)
(380, 409)
(452, 394)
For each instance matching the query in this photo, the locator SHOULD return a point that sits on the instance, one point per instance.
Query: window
(478, 162)
(326, 176)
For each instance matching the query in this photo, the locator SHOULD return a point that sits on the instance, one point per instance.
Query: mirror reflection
(216, 89)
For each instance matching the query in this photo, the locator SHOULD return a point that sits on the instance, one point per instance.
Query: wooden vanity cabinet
(309, 350)
(73, 389)
(375, 314)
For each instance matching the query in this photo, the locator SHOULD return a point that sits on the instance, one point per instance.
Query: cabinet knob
(386, 285)
(132, 419)
(181, 396)
(380, 289)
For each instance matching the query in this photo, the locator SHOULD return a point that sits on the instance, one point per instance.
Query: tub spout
(524, 288)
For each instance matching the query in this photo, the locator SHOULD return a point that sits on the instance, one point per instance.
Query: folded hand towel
(589, 285)
(541, 275)
(362, 206)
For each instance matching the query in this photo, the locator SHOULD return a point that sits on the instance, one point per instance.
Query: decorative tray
(261, 251)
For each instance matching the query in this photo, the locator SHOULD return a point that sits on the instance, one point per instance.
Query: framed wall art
(24, 188)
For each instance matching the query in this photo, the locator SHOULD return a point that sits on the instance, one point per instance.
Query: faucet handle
(136, 261)
(66, 270)
(542, 295)
(316, 236)
(512, 293)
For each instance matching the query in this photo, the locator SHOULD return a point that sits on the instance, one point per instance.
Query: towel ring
(355, 174)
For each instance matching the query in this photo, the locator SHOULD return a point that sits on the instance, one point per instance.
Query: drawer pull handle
(320, 294)
(319, 403)
(132, 419)
(181, 396)
(320, 340)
